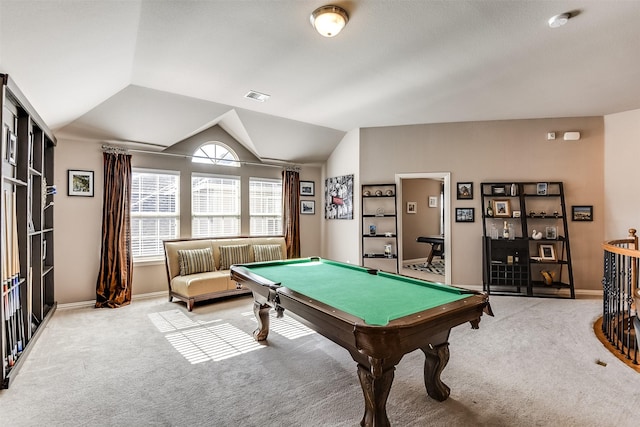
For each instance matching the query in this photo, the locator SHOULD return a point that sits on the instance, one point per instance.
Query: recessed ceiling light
(559, 20)
(257, 96)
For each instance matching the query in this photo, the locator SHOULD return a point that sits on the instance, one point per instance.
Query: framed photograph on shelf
(307, 188)
(12, 146)
(582, 213)
(465, 214)
(547, 252)
(80, 183)
(541, 188)
(412, 207)
(502, 208)
(307, 207)
(551, 233)
(465, 190)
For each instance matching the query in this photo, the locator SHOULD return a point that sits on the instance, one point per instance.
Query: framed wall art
(307, 188)
(338, 194)
(465, 190)
(582, 213)
(80, 183)
(307, 207)
(412, 207)
(465, 214)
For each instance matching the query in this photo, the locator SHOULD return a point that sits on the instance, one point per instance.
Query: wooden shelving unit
(379, 227)
(520, 263)
(26, 218)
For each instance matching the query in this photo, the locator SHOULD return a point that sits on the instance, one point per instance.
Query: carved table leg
(262, 316)
(436, 358)
(376, 389)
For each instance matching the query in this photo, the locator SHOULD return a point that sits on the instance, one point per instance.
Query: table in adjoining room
(437, 246)
(378, 317)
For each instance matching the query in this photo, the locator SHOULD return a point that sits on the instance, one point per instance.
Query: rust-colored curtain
(113, 288)
(291, 211)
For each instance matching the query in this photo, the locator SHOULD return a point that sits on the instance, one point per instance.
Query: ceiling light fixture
(559, 20)
(329, 20)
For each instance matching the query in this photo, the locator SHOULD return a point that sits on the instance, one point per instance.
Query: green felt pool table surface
(375, 298)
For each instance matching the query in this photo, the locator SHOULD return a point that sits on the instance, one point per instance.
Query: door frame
(446, 212)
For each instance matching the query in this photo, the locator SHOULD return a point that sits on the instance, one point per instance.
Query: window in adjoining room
(265, 207)
(216, 153)
(215, 206)
(155, 211)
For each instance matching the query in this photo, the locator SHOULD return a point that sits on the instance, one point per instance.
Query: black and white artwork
(339, 197)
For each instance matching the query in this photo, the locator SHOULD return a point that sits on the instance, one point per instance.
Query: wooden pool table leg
(436, 358)
(376, 385)
(262, 316)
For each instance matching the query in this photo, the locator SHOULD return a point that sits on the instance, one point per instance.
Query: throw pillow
(194, 261)
(267, 252)
(233, 254)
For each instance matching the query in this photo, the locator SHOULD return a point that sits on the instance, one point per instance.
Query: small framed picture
(80, 183)
(582, 213)
(547, 252)
(307, 188)
(373, 230)
(307, 207)
(551, 233)
(465, 214)
(541, 188)
(433, 201)
(465, 190)
(412, 207)
(12, 146)
(502, 208)
(498, 190)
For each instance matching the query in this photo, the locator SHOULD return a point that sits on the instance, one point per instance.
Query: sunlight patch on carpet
(285, 326)
(175, 320)
(215, 343)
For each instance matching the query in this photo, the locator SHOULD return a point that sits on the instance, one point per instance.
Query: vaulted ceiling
(153, 72)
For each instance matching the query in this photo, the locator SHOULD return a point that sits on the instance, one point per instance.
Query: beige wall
(342, 236)
(426, 220)
(500, 150)
(78, 219)
(621, 157)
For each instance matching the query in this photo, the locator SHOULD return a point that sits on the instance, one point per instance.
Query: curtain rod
(189, 156)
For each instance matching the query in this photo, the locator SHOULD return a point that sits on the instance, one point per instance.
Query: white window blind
(215, 206)
(155, 211)
(265, 207)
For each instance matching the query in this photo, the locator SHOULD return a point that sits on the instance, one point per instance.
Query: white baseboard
(85, 304)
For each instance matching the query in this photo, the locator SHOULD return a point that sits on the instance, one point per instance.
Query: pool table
(378, 317)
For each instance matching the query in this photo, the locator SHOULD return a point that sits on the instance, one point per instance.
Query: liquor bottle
(489, 210)
(505, 230)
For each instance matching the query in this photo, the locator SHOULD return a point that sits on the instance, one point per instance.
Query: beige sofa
(208, 284)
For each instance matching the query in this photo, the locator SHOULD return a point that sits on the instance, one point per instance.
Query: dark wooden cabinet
(380, 227)
(26, 218)
(533, 256)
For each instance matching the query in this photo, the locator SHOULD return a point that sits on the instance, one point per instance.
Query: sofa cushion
(233, 254)
(194, 261)
(262, 253)
(194, 285)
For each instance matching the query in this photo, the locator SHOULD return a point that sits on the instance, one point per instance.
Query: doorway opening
(424, 230)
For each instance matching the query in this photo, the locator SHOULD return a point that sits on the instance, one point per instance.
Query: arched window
(216, 153)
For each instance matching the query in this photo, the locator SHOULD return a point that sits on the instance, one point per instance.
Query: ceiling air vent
(257, 96)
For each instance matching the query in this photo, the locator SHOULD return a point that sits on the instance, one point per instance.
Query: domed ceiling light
(329, 20)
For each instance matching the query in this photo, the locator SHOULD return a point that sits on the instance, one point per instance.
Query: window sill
(145, 262)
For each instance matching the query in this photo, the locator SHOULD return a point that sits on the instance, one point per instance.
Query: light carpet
(155, 364)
